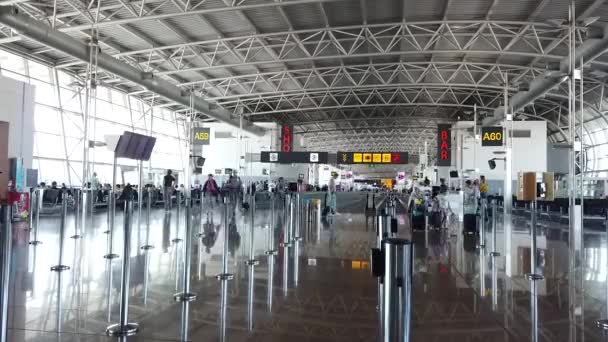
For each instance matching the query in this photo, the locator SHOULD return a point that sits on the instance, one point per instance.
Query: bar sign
(286, 138)
(444, 145)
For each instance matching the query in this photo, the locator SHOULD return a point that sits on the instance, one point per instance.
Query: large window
(59, 125)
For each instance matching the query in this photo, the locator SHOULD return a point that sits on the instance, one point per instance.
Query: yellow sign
(200, 136)
(357, 157)
(367, 157)
(386, 157)
(492, 136)
(377, 158)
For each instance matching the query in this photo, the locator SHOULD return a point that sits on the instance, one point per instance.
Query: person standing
(483, 187)
(210, 189)
(332, 193)
(168, 183)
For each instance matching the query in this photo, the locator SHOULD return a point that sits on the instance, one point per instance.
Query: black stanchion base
(224, 276)
(119, 330)
(185, 297)
(176, 240)
(495, 254)
(60, 268)
(147, 247)
(75, 236)
(35, 243)
(252, 262)
(602, 324)
(534, 277)
(271, 252)
(110, 256)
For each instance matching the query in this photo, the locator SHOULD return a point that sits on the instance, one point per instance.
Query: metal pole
(110, 238)
(177, 239)
(32, 208)
(482, 225)
(6, 240)
(287, 220)
(318, 220)
(271, 248)
(390, 295)
(186, 295)
(292, 218)
(124, 327)
(407, 268)
(77, 213)
(533, 249)
(140, 191)
(603, 323)
(35, 241)
(148, 246)
(494, 220)
(225, 275)
(64, 213)
(60, 266)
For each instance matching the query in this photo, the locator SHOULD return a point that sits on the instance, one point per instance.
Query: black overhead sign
(491, 136)
(294, 157)
(372, 158)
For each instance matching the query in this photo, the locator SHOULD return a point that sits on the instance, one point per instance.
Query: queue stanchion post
(111, 221)
(405, 249)
(186, 295)
(35, 241)
(77, 214)
(287, 221)
(63, 221)
(298, 224)
(533, 276)
(177, 239)
(482, 224)
(225, 275)
(60, 267)
(124, 327)
(6, 239)
(494, 220)
(148, 246)
(603, 322)
(271, 249)
(32, 208)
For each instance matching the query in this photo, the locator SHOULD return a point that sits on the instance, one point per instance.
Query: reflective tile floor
(319, 289)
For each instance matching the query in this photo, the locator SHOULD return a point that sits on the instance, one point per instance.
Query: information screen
(491, 136)
(372, 158)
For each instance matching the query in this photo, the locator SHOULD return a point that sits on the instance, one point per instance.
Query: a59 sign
(492, 136)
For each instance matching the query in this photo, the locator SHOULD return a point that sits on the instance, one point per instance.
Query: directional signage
(294, 157)
(200, 136)
(491, 136)
(372, 158)
(444, 145)
(286, 138)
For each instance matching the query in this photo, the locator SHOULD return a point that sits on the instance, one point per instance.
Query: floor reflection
(289, 280)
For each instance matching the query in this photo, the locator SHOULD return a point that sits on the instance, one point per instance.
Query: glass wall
(59, 126)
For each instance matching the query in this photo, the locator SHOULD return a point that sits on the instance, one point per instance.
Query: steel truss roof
(347, 74)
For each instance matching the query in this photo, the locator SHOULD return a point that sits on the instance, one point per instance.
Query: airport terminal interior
(303, 170)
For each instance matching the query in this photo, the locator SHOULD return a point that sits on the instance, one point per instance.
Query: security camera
(492, 164)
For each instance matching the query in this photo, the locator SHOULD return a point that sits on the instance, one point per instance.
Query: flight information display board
(294, 157)
(372, 158)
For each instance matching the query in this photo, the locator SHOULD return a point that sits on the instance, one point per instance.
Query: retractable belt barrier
(392, 264)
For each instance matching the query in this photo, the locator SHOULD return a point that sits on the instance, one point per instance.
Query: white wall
(225, 153)
(17, 108)
(529, 154)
